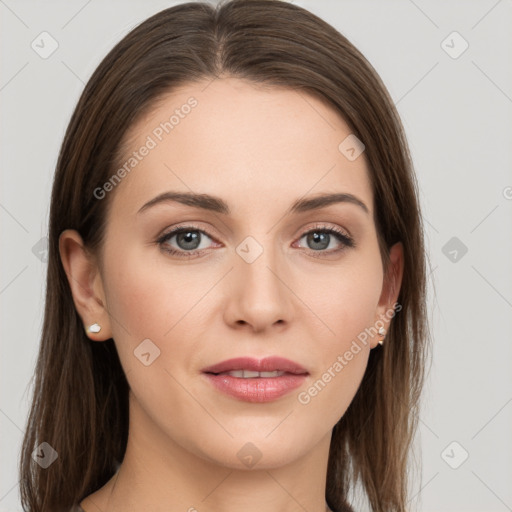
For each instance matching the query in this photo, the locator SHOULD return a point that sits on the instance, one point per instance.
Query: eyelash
(346, 241)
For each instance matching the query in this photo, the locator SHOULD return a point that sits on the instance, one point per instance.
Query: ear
(85, 282)
(390, 290)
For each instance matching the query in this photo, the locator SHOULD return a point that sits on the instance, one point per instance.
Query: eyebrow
(216, 204)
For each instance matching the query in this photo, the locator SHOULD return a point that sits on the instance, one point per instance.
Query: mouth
(256, 380)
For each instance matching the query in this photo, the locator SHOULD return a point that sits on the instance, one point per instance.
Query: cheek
(347, 306)
(147, 296)
(345, 298)
(151, 298)
(353, 308)
(151, 304)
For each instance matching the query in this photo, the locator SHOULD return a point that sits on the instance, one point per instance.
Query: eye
(321, 238)
(188, 239)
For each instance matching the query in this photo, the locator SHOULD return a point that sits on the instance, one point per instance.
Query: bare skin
(259, 150)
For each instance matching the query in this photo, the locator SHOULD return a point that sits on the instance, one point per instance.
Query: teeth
(235, 373)
(275, 373)
(249, 374)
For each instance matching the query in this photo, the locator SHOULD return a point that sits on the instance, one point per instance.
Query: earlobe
(83, 274)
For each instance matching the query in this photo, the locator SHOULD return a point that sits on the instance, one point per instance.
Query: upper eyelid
(192, 227)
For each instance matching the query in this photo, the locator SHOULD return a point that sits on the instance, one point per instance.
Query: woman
(235, 312)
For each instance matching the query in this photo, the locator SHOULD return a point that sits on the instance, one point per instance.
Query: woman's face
(247, 281)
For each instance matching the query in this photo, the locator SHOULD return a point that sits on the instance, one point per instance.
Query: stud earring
(94, 328)
(382, 332)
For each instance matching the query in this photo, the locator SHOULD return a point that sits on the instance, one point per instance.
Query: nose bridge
(258, 265)
(260, 297)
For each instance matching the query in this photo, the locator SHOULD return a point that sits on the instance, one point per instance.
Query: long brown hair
(80, 395)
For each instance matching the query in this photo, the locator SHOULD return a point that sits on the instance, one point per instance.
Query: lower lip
(261, 389)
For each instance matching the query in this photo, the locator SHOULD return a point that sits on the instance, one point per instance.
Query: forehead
(239, 140)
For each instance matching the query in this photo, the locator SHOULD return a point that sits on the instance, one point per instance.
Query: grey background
(457, 113)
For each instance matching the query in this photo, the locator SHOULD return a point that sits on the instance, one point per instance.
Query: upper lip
(267, 364)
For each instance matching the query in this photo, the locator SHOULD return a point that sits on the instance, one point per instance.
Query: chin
(257, 450)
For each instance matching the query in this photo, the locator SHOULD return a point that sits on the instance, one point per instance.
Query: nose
(259, 297)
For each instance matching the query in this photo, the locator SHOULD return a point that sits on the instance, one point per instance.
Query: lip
(267, 364)
(257, 389)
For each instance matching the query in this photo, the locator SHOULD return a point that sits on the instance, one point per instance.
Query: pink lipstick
(256, 380)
